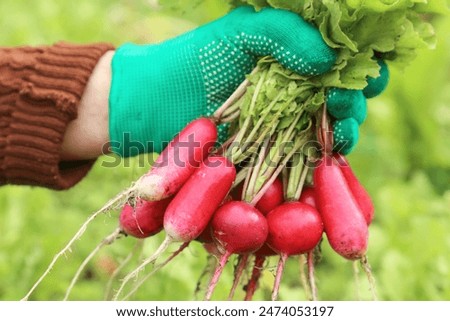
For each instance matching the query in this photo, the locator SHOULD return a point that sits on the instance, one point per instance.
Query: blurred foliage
(402, 158)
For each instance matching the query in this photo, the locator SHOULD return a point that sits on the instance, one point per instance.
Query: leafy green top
(360, 29)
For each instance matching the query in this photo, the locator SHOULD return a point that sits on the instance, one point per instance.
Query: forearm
(87, 136)
(41, 89)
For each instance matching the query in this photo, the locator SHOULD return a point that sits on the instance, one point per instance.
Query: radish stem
(231, 117)
(301, 183)
(294, 177)
(235, 95)
(276, 173)
(249, 191)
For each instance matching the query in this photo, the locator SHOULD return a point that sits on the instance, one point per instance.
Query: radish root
(216, 276)
(156, 269)
(108, 289)
(106, 241)
(164, 245)
(303, 278)
(240, 267)
(256, 274)
(356, 278)
(211, 263)
(311, 277)
(368, 270)
(279, 273)
(111, 204)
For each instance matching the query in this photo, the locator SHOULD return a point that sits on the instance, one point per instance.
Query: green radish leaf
(358, 67)
(434, 6)
(361, 32)
(295, 6)
(331, 23)
(285, 122)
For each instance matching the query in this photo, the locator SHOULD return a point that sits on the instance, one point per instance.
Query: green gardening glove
(349, 109)
(157, 89)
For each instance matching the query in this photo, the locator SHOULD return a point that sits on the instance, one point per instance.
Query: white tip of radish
(151, 188)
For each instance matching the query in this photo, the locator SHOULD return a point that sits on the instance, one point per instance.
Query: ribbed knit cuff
(40, 89)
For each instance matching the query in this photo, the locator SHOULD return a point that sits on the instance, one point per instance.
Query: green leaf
(331, 22)
(295, 6)
(381, 6)
(434, 6)
(385, 37)
(258, 4)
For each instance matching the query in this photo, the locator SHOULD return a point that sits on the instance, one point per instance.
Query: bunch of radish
(248, 202)
(234, 211)
(264, 192)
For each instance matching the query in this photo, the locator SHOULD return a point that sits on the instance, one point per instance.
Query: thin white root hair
(108, 288)
(164, 245)
(155, 269)
(311, 277)
(239, 270)
(368, 270)
(356, 279)
(106, 241)
(208, 271)
(119, 198)
(303, 277)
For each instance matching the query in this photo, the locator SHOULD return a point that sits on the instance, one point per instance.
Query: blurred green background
(402, 158)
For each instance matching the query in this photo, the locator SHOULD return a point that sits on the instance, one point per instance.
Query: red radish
(308, 196)
(344, 222)
(206, 235)
(144, 219)
(238, 228)
(178, 160)
(272, 197)
(194, 204)
(359, 192)
(294, 228)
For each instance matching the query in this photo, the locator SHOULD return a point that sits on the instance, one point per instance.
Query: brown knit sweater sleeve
(40, 89)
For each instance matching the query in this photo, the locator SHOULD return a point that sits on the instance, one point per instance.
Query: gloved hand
(349, 109)
(157, 89)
